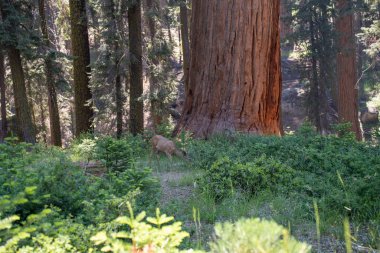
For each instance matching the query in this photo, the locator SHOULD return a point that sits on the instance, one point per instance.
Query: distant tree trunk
(346, 67)
(42, 114)
(235, 74)
(285, 23)
(185, 42)
(55, 126)
(4, 126)
(136, 69)
(23, 113)
(156, 118)
(81, 53)
(112, 41)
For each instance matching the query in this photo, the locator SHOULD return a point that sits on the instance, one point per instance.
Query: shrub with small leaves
(255, 236)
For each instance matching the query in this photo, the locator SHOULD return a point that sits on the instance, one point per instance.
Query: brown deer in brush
(164, 145)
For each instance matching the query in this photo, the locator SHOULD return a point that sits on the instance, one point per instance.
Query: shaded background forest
(132, 43)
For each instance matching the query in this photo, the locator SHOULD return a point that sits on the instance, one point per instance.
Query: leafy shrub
(340, 173)
(153, 235)
(264, 173)
(62, 184)
(254, 235)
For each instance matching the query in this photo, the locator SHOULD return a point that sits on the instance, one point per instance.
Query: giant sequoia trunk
(55, 126)
(346, 68)
(235, 76)
(4, 126)
(81, 53)
(136, 70)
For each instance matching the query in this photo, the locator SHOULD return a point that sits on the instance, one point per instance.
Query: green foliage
(254, 235)
(225, 176)
(342, 174)
(156, 234)
(62, 184)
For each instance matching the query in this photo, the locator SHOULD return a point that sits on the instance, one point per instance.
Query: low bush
(62, 184)
(342, 174)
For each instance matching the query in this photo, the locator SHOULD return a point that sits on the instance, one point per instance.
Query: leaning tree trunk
(346, 68)
(136, 70)
(3, 105)
(235, 75)
(23, 113)
(55, 126)
(81, 52)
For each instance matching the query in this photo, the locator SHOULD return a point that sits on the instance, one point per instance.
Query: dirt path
(171, 191)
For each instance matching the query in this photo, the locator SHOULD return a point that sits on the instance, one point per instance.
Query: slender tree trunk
(185, 42)
(42, 115)
(4, 126)
(314, 91)
(136, 69)
(156, 117)
(346, 67)
(55, 126)
(235, 74)
(81, 53)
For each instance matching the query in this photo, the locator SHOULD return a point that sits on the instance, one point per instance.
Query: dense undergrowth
(48, 203)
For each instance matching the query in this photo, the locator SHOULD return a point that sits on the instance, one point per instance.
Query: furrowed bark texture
(235, 76)
(346, 68)
(136, 76)
(81, 53)
(55, 126)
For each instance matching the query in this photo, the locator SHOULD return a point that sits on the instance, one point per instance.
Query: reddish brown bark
(346, 68)
(235, 77)
(81, 52)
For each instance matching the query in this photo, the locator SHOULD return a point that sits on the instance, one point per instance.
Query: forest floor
(180, 198)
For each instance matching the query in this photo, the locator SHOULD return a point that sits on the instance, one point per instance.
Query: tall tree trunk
(185, 41)
(314, 90)
(26, 131)
(55, 126)
(42, 115)
(346, 67)
(136, 69)
(4, 127)
(81, 53)
(23, 113)
(156, 118)
(235, 75)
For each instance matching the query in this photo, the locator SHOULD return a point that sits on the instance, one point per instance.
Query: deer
(164, 145)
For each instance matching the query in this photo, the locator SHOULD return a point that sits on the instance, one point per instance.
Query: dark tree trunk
(42, 115)
(346, 67)
(4, 127)
(185, 42)
(110, 18)
(235, 74)
(23, 113)
(81, 53)
(55, 126)
(156, 117)
(136, 69)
